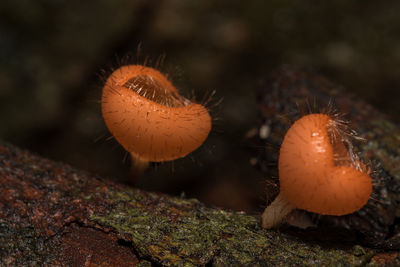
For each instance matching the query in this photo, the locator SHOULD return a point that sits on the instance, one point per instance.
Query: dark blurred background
(52, 53)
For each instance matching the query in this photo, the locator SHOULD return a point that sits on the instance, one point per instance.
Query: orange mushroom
(317, 173)
(147, 116)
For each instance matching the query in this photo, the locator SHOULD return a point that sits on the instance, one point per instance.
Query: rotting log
(52, 214)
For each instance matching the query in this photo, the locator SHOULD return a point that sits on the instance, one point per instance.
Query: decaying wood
(53, 214)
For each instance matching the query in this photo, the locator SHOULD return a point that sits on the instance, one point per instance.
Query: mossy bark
(54, 214)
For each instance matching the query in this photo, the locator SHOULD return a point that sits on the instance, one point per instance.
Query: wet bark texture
(51, 213)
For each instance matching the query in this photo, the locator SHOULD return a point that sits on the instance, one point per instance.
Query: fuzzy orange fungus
(147, 116)
(317, 173)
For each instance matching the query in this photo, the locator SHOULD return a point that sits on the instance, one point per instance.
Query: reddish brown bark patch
(83, 246)
(385, 258)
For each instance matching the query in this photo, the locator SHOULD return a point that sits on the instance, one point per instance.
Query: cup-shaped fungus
(317, 173)
(147, 116)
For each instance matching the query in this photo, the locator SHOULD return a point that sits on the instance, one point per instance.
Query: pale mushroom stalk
(138, 167)
(276, 212)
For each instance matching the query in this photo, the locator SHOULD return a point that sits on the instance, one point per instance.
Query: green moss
(181, 232)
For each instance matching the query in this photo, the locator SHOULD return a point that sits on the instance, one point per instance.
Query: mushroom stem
(138, 166)
(276, 212)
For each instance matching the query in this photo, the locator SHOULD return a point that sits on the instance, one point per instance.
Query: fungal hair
(341, 137)
(148, 87)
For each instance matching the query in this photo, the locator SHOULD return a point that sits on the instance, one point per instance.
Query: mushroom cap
(310, 179)
(149, 130)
